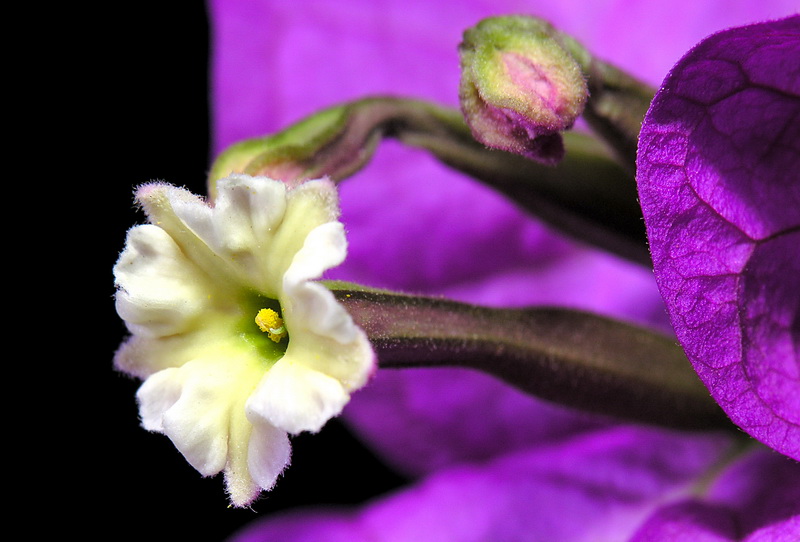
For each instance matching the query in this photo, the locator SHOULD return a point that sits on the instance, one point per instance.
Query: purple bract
(719, 181)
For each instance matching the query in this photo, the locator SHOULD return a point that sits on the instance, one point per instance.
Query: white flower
(236, 346)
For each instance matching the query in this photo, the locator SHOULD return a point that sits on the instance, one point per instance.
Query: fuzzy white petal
(268, 455)
(239, 228)
(324, 336)
(189, 221)
(351, 364)
(296, 398)
(141, 356)
(160, 290)
(157, 395)
(253, 230)
(324, 247)
(192, 212)
(308, 206)
(194, 405)
(247, 212)
(311, 305)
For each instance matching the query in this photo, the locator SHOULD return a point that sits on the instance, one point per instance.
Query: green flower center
(262, 326)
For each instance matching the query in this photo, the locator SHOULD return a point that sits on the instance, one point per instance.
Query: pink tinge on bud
(519, 87)
(554, 111)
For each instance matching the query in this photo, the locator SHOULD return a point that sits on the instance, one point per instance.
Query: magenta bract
(719, 182)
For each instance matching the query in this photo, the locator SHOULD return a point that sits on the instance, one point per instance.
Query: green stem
(588, 196)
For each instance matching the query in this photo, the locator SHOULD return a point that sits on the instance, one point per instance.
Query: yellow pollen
(269, 322)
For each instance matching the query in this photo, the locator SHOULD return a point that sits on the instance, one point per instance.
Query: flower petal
(252, 232)
(188, 220)
(310, 305)
(157, 395)
(262, 453)
(204, 446)
(247, 212)
(717, 172)
(141, 356)
(296, 398)
(318, 322)
(269, 453)
(309, 205)
(200, 405)
(160, 292)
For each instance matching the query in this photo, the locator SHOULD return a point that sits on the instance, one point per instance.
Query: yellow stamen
(269, 322)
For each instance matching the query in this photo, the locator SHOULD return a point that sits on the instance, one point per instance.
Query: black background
(149, 96)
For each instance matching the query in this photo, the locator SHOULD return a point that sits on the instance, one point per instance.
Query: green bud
(519, 87)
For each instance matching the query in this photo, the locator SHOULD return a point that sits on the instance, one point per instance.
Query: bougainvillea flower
(719, 179)
(295, 62)
(236, 345)
(444, 240)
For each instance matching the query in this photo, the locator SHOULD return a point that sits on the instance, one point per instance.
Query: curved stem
(588, 195)
(573, 358)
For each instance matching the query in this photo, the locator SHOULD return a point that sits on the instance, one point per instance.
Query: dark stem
(588, 195)
(572, 358)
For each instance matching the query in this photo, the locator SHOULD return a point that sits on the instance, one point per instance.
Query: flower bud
(519, 87)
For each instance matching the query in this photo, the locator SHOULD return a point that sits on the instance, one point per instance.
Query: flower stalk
(588, 195)
(570, 357)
